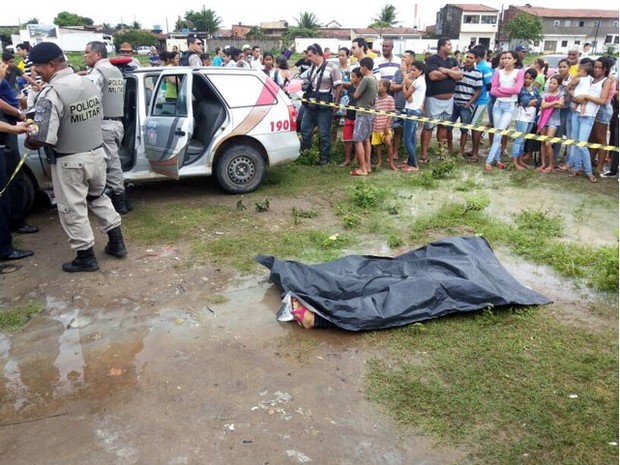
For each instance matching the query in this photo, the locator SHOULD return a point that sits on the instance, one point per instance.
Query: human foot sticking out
(303, 316)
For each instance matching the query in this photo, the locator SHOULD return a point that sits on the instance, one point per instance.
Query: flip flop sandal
(358, 173)
(592, 178)
(6, 269)
(299, 311)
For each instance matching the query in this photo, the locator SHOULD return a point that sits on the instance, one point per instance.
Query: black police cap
(44, 52)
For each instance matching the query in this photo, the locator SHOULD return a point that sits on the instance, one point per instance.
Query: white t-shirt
(583, 86)
(526, 114)
(508, 80)
(275, 75)
(417, 98)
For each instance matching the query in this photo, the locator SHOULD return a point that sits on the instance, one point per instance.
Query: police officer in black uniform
(68, 118)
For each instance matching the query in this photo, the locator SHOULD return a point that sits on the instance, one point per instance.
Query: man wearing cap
(68, 119)
(247, 52)
(521, 52)
(126, 50)
(110, 82)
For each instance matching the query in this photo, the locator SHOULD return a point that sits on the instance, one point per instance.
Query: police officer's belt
(113, 118)
(60, 154)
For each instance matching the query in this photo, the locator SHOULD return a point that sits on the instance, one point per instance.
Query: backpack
(184, 61)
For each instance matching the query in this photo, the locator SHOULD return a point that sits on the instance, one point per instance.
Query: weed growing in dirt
(301, 213)
(443, 170)
(367, 195)
(17, 317)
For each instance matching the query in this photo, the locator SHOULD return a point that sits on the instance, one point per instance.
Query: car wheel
(30, 194)
(240, 169)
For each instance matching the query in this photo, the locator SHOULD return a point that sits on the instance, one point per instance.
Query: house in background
(469, 24)
(274, 29)
(565, 28)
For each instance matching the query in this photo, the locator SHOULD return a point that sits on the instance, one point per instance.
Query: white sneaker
(608, 174)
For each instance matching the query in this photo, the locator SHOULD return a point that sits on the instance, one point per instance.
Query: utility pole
(598, 24)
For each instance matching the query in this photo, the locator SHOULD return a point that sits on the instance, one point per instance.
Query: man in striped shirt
(467, 91)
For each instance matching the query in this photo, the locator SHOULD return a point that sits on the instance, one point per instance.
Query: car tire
(240, 169)
(30, 194)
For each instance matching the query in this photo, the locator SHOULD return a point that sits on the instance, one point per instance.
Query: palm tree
(387, 18)
(308, 21)
(204, 20)
(307, 26)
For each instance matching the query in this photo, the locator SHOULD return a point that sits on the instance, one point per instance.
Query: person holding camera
(323, 84)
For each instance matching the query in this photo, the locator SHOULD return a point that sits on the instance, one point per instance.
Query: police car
(182, 121)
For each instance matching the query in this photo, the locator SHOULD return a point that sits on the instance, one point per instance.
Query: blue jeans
(409, 136)
(563, 130)
(519, 142)
(581, 127)
(503, 112)
(323, 119)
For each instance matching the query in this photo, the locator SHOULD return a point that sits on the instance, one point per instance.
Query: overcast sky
(349, 13)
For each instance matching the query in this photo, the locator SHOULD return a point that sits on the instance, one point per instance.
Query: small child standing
(382, 125)
(366, 94)
(549, 121)
(349, 118)
(527, 109)
(580, 85)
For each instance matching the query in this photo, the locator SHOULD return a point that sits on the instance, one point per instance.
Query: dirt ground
(133, 365)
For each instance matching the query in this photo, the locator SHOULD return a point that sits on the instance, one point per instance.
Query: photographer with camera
(323, 84)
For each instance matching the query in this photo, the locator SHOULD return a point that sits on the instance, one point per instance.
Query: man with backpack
(191, 57)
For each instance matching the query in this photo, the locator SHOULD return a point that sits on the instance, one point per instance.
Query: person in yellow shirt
(573, 59)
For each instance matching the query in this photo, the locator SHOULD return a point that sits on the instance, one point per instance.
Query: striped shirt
(399, 98)
(465, 88)
(387, 68)
(28, 70)
(385, 103)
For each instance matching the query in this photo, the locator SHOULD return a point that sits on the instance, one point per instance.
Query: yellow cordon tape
(503, 132)
(17, 168)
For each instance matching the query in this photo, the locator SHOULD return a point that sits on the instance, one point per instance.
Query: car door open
(169, 123)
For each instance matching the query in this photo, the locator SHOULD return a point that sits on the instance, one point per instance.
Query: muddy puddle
(192, 384)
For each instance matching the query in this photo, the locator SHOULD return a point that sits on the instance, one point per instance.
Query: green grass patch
(17, 317)
(536, 235)
(501, 383)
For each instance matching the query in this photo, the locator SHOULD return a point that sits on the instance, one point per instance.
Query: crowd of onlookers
(477, 87)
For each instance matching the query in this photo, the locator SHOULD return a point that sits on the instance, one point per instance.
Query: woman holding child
(582, 123)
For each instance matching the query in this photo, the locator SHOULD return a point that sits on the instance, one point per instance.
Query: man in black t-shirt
(303, 64)
(442, 73)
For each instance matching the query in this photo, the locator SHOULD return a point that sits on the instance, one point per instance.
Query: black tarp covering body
(361, 292)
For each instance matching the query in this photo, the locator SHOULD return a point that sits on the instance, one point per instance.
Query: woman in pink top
(603, 116)
(506, 84)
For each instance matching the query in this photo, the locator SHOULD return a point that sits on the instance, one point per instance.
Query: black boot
(85, 261)
(115, 245)
(119, 201)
